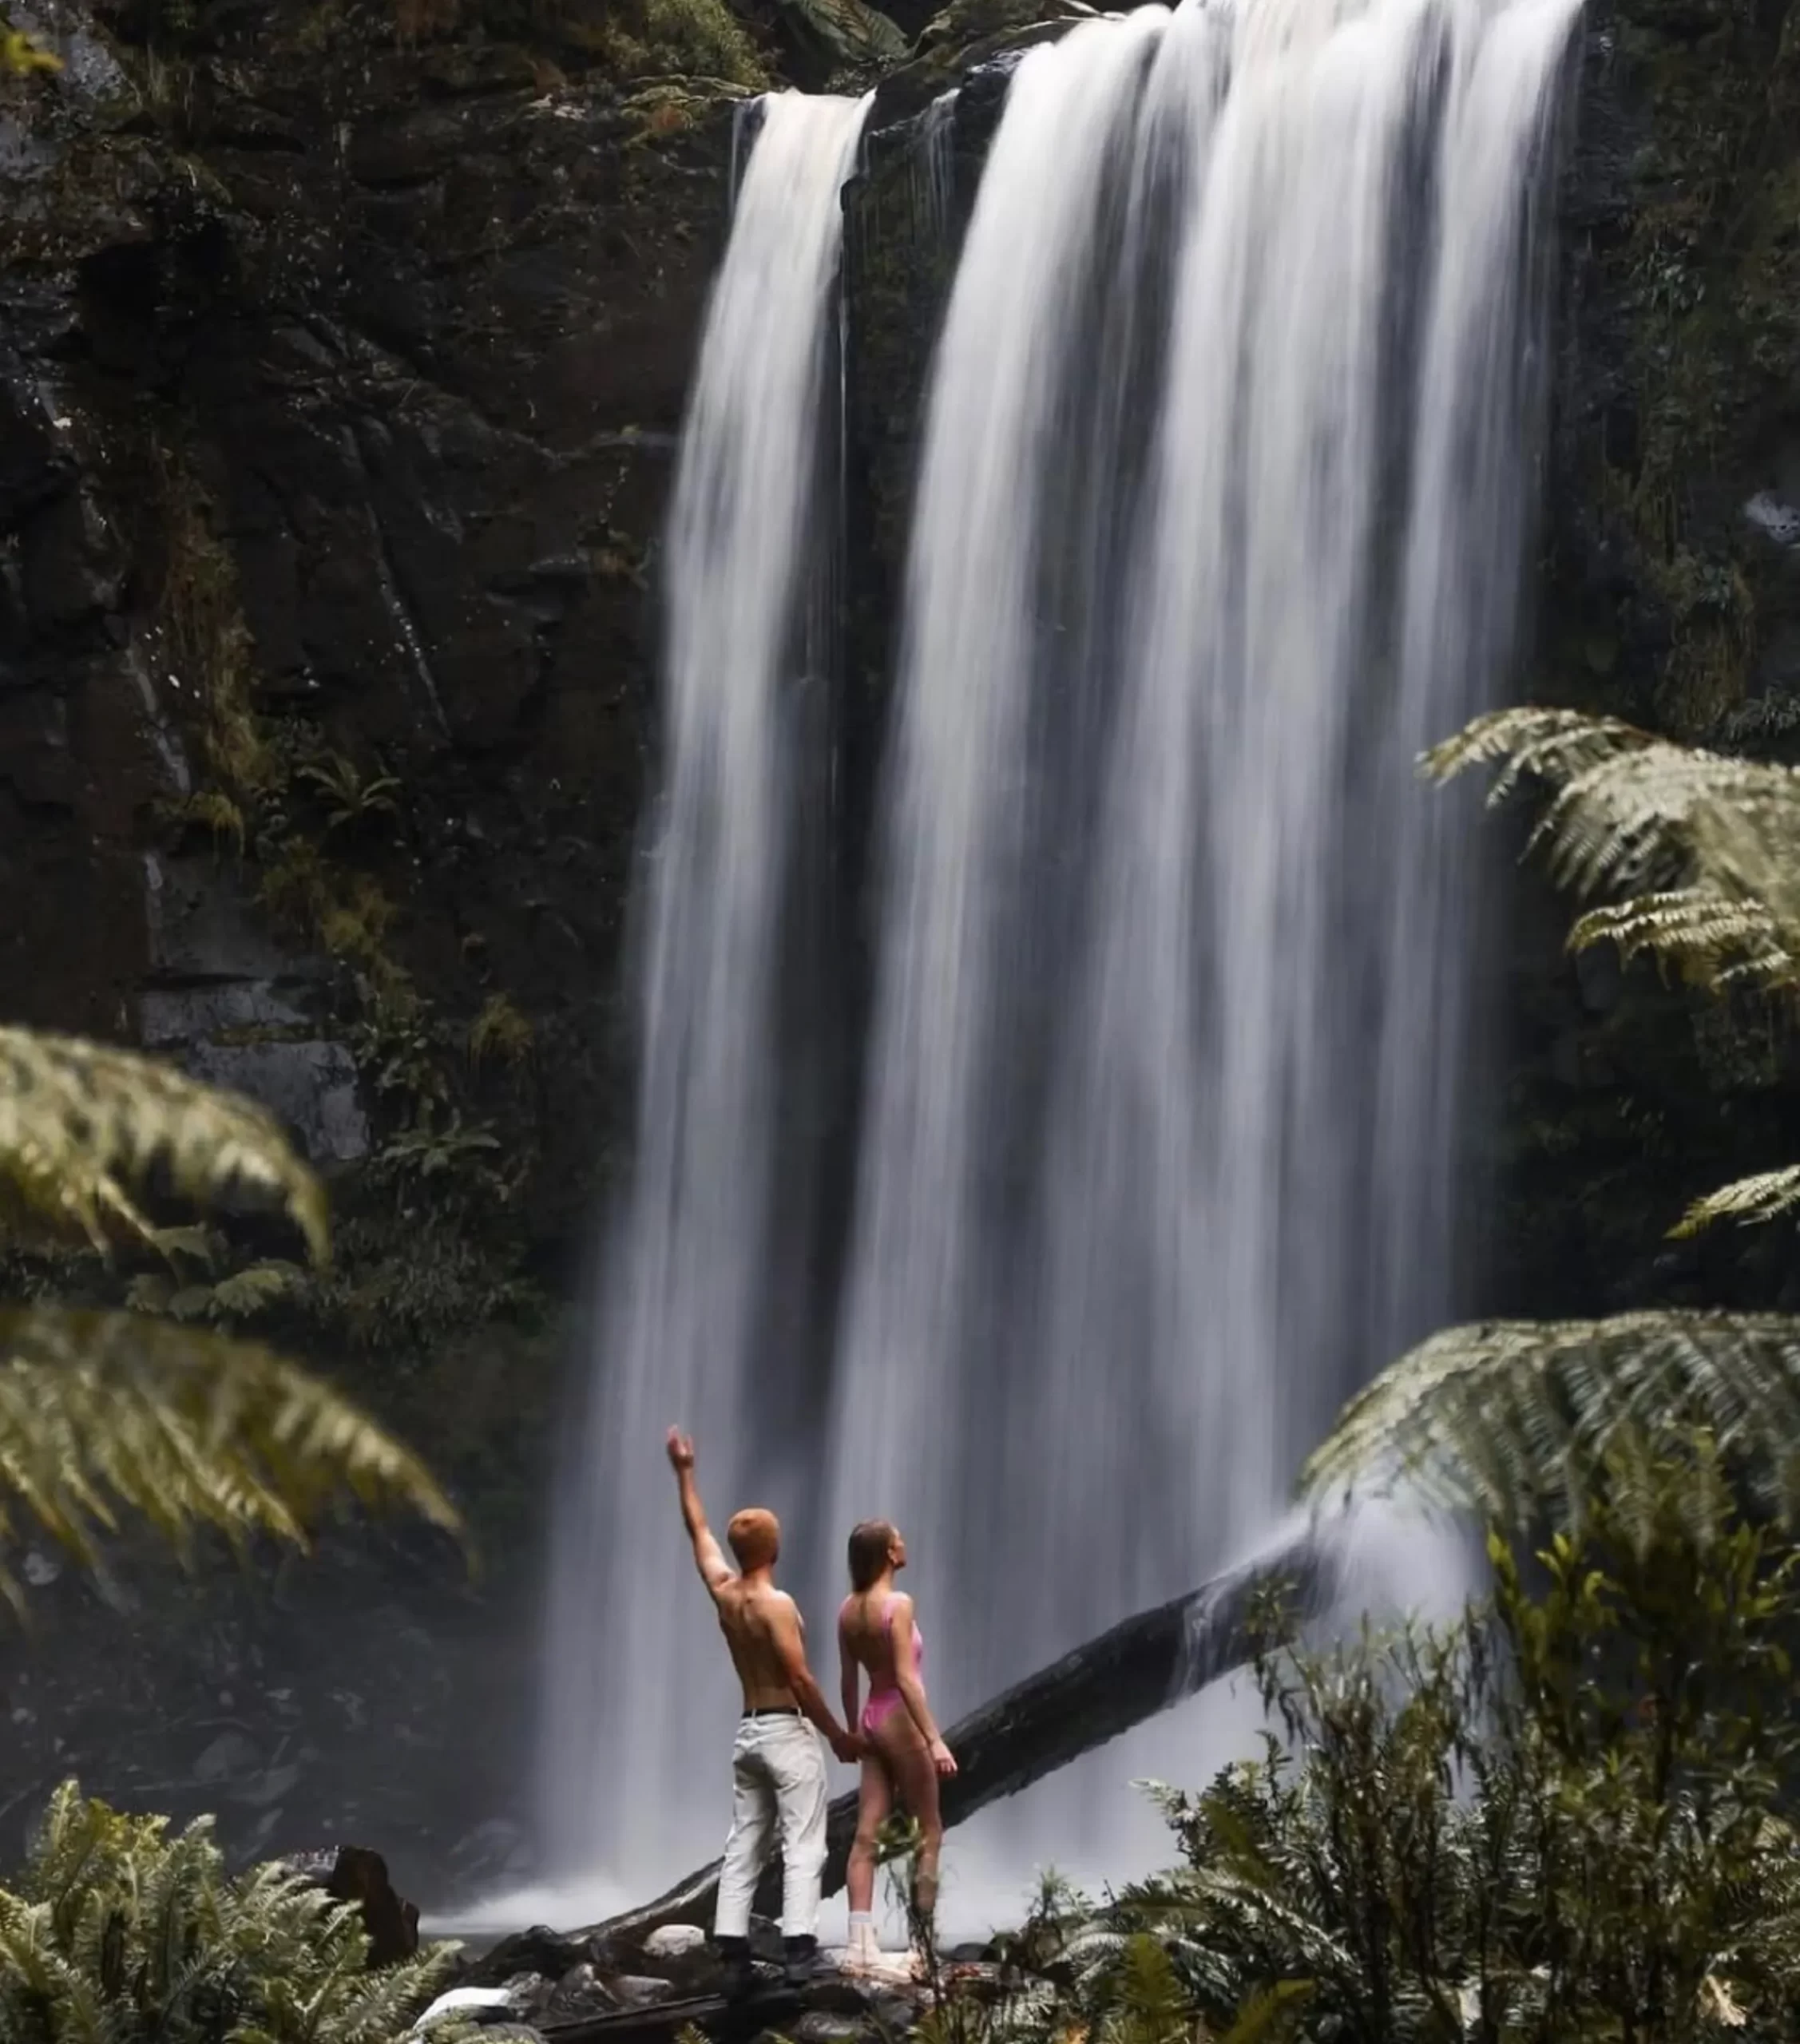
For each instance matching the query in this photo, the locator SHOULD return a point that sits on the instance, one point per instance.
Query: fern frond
(83, 1125)
(1761, 1197)
(1512, 1419)
(1709, 941)
(258, 1285)
(103, 1410)
(1526, 741)
(1271, 2012)
(1702, 848)
(119, 1931)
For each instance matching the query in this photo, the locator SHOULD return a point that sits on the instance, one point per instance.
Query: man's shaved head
(754, 1536)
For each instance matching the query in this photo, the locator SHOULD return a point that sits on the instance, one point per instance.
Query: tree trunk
(1091, 1696)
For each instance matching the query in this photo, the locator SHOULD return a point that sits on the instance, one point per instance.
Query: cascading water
(1226, 479)
(634, 1697)
(1160, 1151)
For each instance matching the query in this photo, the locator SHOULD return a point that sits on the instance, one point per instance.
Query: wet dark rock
(581, 1991)
(355, 1874)
(638, 1991)
(684, 1955)
(529, 1993)
(360, 1876)
(552, 1956)
(823, 2026)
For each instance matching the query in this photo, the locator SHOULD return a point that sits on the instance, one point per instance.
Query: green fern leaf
(82, 1125)
(1704, 939)
(1269, 2014)
(102, 1410)
(1512, 1418)
(1699, 851)
(120, 1932)
(1761, 1197)
(249, 1290)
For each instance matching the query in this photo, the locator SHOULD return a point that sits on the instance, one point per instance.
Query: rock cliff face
(342, 354)
(1668, 593)
(341, 385)
(340, 373)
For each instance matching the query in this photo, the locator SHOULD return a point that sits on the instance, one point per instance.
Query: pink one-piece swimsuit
(883, 1702)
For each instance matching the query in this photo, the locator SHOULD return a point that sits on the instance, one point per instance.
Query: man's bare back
(760, 1624)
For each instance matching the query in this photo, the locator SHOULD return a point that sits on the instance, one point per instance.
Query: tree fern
(99, 1410)
(1513, 1418)
(1761, 1197)
(119, 1931)
(1700, 850)
(1704, 847)
(82, 1124)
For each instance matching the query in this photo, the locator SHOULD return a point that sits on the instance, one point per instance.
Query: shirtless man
(778, 1769)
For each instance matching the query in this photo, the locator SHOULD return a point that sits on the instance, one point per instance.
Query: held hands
(680, 1450)
(849, 1746)
(943, 1758)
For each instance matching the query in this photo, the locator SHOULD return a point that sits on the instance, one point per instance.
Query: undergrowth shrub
(1566, 1818)
(118, 1933)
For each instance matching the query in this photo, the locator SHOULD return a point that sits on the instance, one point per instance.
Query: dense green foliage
(1563, 1820)
(119, 1933)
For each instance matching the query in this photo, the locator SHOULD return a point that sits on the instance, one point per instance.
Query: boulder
(640, 1991)
(674, 1941)
(580, 1992)
(826, 2027)
(354, 1873)
(553, 1954)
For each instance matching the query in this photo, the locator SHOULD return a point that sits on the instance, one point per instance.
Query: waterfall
(1221, 515)
(635, 1699)
(1161, 1153)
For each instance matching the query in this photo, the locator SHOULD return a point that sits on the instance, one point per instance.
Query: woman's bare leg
(876, 1799)
(915, 1781)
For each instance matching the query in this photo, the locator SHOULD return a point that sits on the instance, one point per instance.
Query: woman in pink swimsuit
(877, 1634)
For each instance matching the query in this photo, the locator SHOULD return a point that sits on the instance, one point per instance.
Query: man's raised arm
(709, 1557)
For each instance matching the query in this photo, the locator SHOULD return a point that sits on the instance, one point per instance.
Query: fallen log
(1089, 1697)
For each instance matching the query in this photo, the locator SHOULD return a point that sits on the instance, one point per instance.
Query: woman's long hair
(869, 1545)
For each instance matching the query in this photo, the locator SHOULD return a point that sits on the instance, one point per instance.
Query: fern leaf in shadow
(1764, 1196)
(104, 1412)
(1515, 1420)
(1698, 852)
(83, 1126)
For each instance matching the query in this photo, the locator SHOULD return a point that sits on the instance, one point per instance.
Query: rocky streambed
(579, 1986)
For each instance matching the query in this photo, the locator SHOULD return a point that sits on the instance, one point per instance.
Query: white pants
(778, 1781)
